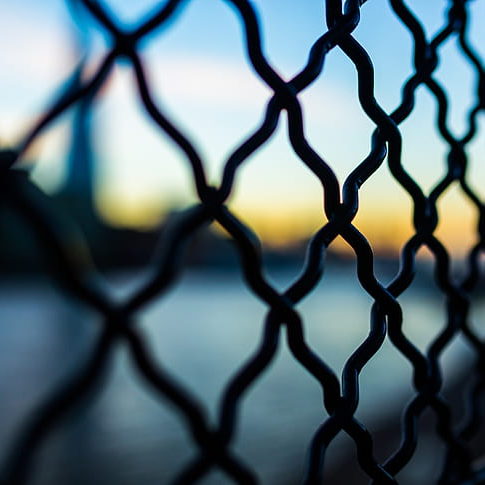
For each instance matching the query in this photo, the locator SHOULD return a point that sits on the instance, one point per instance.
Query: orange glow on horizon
(386, 228)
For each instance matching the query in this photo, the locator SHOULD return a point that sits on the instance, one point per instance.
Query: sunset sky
(199, 73)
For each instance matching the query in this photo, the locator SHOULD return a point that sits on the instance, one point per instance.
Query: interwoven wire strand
(340, 206)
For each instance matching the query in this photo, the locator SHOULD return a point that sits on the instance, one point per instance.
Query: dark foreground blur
(202, 331)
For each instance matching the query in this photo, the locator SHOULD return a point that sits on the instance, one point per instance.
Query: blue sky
(198, 70)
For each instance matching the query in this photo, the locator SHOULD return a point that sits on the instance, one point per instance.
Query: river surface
(201, 331)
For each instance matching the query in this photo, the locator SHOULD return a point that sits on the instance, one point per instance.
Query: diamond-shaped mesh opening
(308, 220)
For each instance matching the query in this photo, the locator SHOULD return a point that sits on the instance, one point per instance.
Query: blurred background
(116, 178)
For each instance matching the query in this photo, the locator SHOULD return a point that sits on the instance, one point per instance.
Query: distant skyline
(199, 73)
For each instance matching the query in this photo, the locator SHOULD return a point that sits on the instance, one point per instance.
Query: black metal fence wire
(340, 396)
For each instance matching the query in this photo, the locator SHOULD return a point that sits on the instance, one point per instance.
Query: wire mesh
(340, 207)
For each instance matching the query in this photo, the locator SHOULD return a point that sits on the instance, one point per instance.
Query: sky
(199, 73)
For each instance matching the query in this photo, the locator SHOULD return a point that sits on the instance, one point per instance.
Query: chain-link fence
(72, 271)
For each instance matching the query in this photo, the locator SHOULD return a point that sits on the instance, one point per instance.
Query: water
(203, 330)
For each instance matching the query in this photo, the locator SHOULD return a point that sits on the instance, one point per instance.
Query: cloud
(32, 52)
(35, 58)
(211, 81)
(222, 84)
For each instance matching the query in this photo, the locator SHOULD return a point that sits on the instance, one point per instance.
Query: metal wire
(340, 206)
